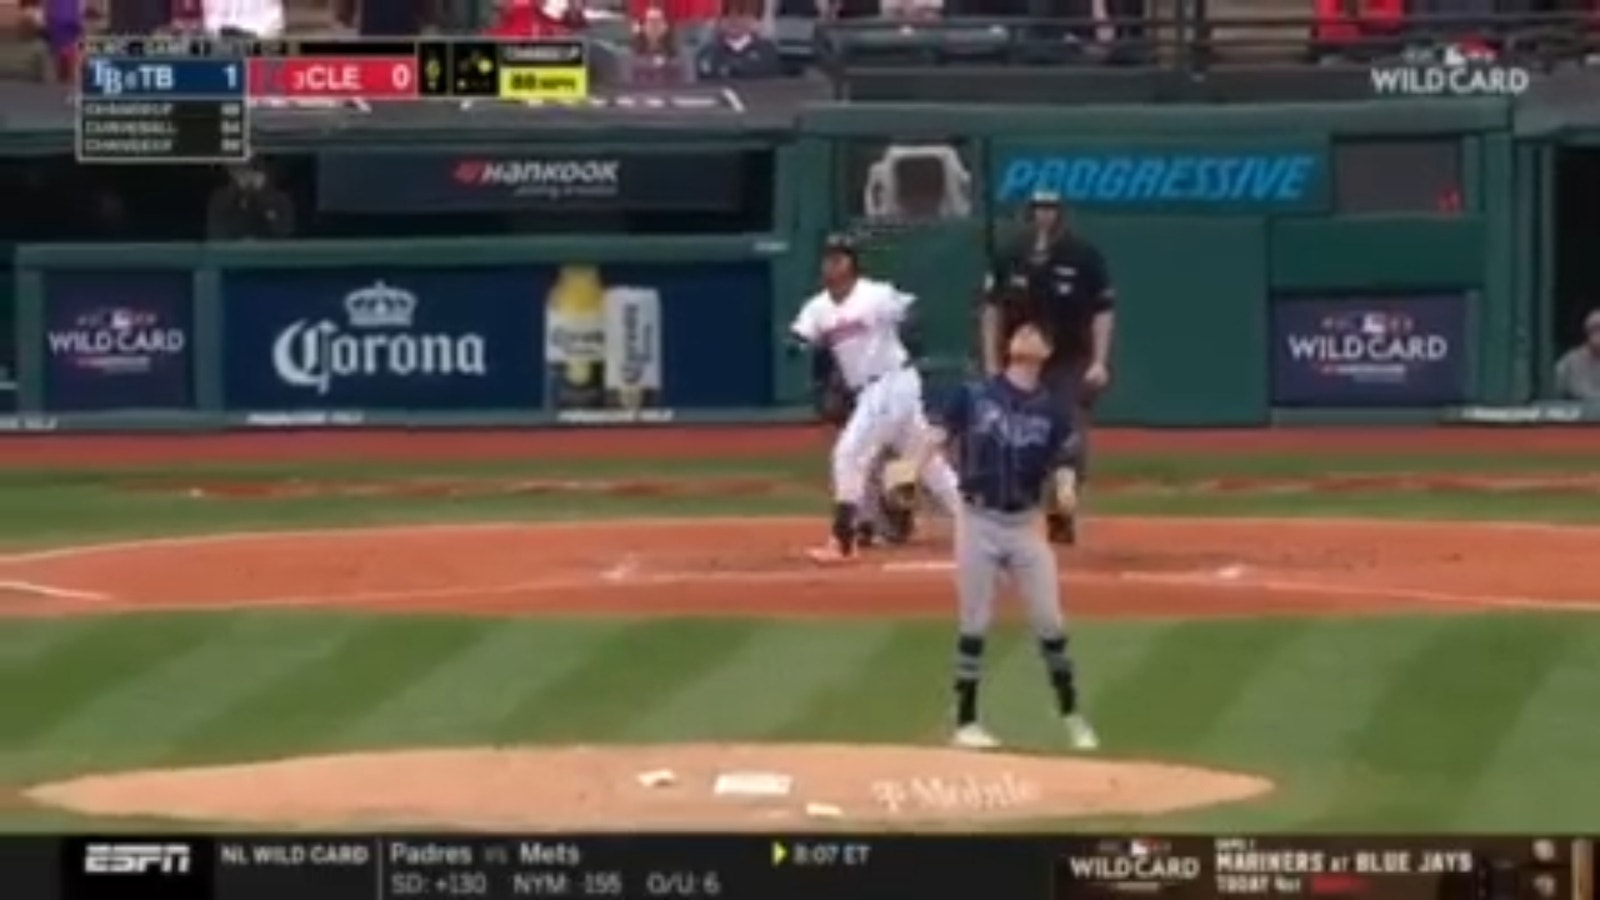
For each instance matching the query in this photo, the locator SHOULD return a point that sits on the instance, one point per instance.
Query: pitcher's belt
(1016, 508)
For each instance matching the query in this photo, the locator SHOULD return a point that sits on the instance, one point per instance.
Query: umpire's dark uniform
(1059, 282)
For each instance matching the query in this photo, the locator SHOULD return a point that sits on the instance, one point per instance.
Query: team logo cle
(375, 341)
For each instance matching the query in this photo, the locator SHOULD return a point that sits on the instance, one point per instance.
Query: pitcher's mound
(654, 787)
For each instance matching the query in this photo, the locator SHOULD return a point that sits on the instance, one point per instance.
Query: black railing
(1188, 39)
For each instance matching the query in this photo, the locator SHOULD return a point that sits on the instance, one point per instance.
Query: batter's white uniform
(862, 331)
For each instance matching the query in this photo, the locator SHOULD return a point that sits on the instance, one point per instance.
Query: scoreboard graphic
(188, 100)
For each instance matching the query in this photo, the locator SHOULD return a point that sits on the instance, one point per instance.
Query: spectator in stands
(240, 18)
(739, 51)
(53, 28)
(656, 60)
(538, 19)
(679, 13)
(1578, 372)
(248, 207)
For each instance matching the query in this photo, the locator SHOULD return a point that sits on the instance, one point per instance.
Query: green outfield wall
(1271, 263)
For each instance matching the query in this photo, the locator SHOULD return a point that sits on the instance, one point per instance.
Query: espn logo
(136, 859)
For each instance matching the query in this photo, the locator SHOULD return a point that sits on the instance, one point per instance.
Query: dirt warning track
(1131, 568)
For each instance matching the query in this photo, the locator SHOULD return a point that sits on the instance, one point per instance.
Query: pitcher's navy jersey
(1010, 442)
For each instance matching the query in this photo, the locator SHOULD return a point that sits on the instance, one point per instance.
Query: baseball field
(1294, 630)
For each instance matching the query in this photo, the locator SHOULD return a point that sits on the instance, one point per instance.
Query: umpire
(1056, 280)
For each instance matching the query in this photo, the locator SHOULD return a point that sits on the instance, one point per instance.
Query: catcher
(888, 513)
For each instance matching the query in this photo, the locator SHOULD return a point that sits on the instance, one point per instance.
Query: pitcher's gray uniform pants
(989, 544)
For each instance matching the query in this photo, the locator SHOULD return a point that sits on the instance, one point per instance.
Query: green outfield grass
(1480, 723)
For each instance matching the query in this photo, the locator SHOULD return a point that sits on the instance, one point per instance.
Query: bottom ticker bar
(799, 867)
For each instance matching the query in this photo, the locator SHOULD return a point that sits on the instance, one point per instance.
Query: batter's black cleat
(866, 535)
(1063, 529)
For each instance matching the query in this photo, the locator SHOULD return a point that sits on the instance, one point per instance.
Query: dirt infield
(57, 451)
(1132, 567)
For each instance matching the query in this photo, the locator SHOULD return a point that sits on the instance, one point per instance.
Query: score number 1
(355, 77)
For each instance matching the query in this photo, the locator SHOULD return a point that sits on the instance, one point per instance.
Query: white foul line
(55, 593)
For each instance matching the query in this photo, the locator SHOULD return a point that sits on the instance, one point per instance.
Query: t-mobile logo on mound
(1453, 71)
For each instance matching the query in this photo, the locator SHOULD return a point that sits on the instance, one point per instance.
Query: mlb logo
(1141, 848)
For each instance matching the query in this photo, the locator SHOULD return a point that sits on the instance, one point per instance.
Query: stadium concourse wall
(1270, 266)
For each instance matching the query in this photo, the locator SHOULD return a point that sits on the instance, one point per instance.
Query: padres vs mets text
(512, 868)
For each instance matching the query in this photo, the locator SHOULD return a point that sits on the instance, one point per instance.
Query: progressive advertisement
(1233, 177)
(594, 344)
(118, 341)
(1369, 351)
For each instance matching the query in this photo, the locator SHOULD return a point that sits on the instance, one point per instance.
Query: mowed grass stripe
(902, 692)
(143, 716)
(94, 659)
(465, 699)
(24, 641)
(377, 658)
(1542, 776)
(623, 677)
(782, 667)
(1189, 678)
(1439, 723)
(1292, 722)
(1018, 703)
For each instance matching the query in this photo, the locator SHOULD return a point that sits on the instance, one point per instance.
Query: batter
(1014, 450)
(859, 321)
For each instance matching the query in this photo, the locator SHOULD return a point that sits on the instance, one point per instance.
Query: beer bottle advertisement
(574, 338)
(603, 347)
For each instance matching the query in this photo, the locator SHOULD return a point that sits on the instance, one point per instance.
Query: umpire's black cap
(842, 244)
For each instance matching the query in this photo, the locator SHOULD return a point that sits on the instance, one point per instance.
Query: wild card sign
(1369, 351)
(118, 341)
(419, 339)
